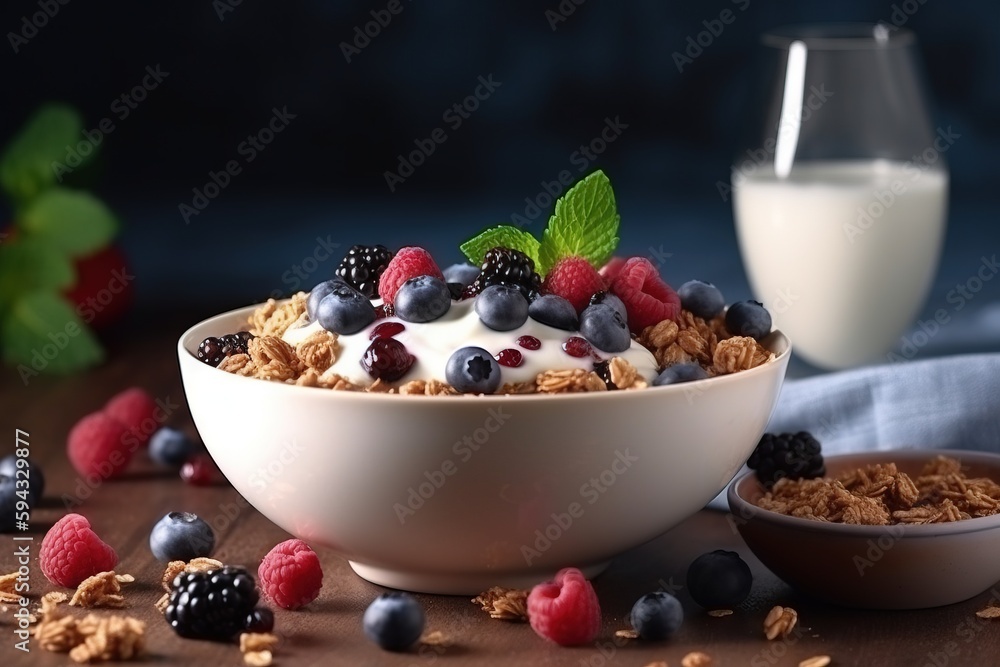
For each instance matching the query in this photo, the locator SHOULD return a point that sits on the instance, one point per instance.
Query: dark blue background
(323, 176)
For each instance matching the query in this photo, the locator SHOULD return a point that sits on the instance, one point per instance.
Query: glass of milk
(840, 196)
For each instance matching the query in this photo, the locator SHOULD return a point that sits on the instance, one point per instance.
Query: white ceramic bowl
(457, 494)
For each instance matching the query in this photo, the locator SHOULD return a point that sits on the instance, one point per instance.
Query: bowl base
(460, 584)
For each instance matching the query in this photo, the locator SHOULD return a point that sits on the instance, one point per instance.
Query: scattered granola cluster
(881, 495)
(93, 638)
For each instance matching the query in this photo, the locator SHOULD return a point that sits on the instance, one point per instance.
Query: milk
(842, 253)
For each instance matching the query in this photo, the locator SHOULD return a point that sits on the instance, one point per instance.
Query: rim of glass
(839, 36)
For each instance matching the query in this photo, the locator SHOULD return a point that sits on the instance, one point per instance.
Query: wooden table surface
(328, 631)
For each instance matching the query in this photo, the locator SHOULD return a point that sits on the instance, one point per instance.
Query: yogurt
(432, 343)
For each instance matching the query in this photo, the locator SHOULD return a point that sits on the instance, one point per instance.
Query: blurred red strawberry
(103, 290)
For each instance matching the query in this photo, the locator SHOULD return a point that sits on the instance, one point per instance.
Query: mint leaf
(43, 333)
(29, 264)
(504, 235)
(26, 166)
(77, 223)
(585, 223)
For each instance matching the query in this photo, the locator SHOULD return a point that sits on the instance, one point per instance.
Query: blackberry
(603, 370)
(505, 266)
(362, 266)
(794, 455)
(215, 604)
(235, 343)
(210, 351)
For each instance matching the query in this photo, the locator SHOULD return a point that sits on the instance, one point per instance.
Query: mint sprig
(74, 222)
(506, 236)
(585, 224)
(26, 165)
(42, 333)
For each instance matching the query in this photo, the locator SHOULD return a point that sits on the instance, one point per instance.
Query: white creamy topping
(432, 343)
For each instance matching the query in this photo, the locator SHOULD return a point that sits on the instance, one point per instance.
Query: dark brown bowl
(876, 567)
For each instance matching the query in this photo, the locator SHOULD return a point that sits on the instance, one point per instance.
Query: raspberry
(575, 280)
(96, 275)
(137, 410)
(97, 446)
(565, 610)
(71, 552)
(647, 298)
(290, 574)
(409, 262)
(611, 270)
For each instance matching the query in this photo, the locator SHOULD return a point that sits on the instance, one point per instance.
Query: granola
(506, 604)
(780, 622)
(881, 495)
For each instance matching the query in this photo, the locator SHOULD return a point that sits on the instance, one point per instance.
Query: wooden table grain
(328, 631)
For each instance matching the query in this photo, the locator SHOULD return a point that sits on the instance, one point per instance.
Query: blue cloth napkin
(950, 402)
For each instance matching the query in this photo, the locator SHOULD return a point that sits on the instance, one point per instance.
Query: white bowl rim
(776, 340)
(976, 524)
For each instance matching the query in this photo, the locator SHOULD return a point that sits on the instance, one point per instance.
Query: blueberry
(318, 293)
(30, 471)
(422, 299)
(171, 447)
(462, 274)
(8, 504)
(394, 621)
(473, 370)
(181, 536)
(719, 579)
(345, 310)
(555, 311)
(501, 307)
(261, 619)
(609, 299)
(680, 372)
(605, 328)
(656, 616)
(748, 318)
(703, 299)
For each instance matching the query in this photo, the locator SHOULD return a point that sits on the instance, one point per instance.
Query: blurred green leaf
(75, 222)
(29, 162)
(28, 264)
(43, 333)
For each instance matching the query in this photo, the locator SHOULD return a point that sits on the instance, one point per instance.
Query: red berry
(98, 446)
(384, 311)
(71, 552)
(387, 359)
(200, 470)
(565, 610)
(577, 347)
(647, 298)
(386, 330)
(290, 574)
(575, 280)
(510, 357)
(409, 262)
(137, 410)
(529, 342)
(611, 270)
(103, 288)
